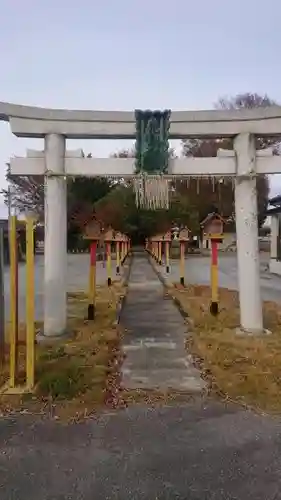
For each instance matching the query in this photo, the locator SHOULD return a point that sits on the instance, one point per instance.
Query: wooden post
(214, 307)
(160, 252)
(182, 269)
(213, 231)
(183, 238)
(93, 233)
(108, 263)
(92, 281)
(117, 257)
(167, 252)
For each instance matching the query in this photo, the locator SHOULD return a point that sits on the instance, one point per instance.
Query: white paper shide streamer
(151, 191)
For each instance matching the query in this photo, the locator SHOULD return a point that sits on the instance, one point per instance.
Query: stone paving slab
(155, 336)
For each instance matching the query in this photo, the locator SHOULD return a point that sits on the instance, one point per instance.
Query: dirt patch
(246, 369)
(154, 397)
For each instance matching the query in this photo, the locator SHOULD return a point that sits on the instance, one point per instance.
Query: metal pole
(30, 317)
(9, 202)
(13, 300)
(2, 298)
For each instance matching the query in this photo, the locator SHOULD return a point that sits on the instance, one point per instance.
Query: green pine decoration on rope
(152, 141)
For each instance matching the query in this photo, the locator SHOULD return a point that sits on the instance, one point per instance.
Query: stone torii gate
(244, 163)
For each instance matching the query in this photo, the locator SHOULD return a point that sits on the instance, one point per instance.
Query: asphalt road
(199, 451)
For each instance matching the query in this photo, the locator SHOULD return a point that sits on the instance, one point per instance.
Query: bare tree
(218, 193)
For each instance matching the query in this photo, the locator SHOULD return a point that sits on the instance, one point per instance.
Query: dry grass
(246, 369)
(77, 376)
(154, 397)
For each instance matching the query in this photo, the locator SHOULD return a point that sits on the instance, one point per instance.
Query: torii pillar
(55, 250)
(247, 234)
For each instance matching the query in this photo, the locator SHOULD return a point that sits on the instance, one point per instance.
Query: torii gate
(244, 163)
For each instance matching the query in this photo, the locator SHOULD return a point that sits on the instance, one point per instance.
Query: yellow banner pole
(13, 300)
(30, 316)
(2, 300)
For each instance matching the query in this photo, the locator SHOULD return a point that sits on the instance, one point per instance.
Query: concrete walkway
(154, 341)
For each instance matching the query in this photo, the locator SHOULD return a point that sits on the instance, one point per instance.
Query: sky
(128, 54)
